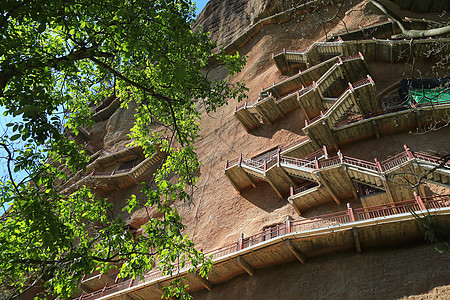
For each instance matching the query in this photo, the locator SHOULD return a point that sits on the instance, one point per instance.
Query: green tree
(57, 58)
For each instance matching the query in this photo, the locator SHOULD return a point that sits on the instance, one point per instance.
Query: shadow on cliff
(292, 122)
(263, 196)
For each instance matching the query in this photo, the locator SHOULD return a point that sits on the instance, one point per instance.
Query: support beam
(232, 183)
(388, 190)
(274, 188)
(265, 117)
(327, 186)
(252, 182)
(245, 265)
(355, 195)
(203, 281)
(294, 251)
(356, 238)
(375, 129)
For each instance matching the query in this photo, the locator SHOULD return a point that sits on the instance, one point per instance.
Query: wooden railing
(303, 187)
(296, 226)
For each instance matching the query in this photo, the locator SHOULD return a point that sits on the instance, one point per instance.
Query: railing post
(265, 165)
(419, 201)
(241, 242)
(341, 157)
(104, 288)
(377, 163)
(226, 164)
(350, 213)
(240, 160)
(408, 152)
(278, 156)
(325, 152)
(316, 163)
(245, 105)
(288, 224)
(350, 86)
(291, 190)
(131, 282)
(306, 123)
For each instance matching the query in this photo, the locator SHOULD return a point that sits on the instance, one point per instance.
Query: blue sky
(200, 4)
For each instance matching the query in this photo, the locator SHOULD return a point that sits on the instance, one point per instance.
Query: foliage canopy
(59, 58)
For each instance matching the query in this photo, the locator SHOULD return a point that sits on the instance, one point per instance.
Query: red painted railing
(430, 158)
(342, 217)
(360, 163)
(394, 161)
(269, 233)
(304, 187)
(320, 221)
(304, 163)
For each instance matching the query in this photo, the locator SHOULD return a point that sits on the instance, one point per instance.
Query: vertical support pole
(408, 152)
(131, 283)
(241, 242)
(316, 163)
(306, 123)
(350, 213)
(240, 160)
(325, 151)
(291, 190)
(226, 164)
(341, 157)
(419, 201)
(288, 225)
(265, 165)
(377, 163)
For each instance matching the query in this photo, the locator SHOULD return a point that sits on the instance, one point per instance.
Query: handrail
(302, 73)
(280, 229)
(360, 163)
(430, 158)
(297, 162)
(304, 187)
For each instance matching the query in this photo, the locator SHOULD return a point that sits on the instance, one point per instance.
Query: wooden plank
(203, 281)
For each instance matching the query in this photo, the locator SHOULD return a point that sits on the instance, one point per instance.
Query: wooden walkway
(333, 133)
(125, 168)
(313, 90)
(358, 229)
(392, 51)
(317, 179)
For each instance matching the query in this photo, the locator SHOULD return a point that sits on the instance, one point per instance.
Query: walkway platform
(317, 179)
(312, 90)
(298, 240)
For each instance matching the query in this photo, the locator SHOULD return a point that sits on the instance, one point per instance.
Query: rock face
(220, 214)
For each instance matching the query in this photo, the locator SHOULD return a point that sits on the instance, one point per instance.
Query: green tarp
(434, 95)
